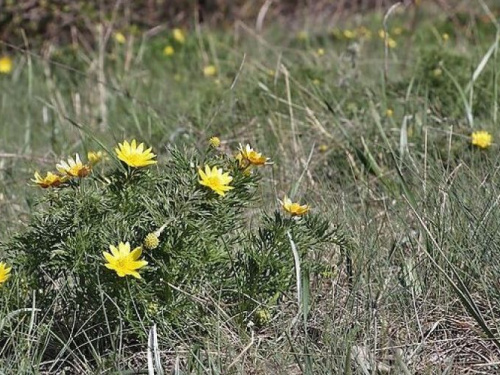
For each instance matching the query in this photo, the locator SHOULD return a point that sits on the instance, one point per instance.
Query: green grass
(416, 291)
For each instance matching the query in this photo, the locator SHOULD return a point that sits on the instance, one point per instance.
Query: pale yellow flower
(320, 52)
(295, 209)
(391, 43)
(50, 180)
(4, 272)
(179, 36)
(215, 179)
(397, 31)
(302, 35)
(119, 37)
(124, 261)
(73, 167)
(382, 34)
(168, 51)
(94, 157)
(6, 65)
(481, 139)
(248, 156)
(437, 72)
(389, 112)
(133, 155)
(214, 142)
(349, 34)
(445, 37)
(209, 71)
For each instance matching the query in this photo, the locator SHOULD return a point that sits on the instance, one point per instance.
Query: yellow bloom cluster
(73, 167)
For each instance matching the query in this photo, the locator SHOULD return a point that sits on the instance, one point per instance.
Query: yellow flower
(391, 43)
(445, 37)
(133, 155)
(320, 52)
(209, 71)
(364, 32)
(119, 37)
(389, 112)
(316, 82)
(124, 261)
(214, 142)
(397, 31)
(437, 72)
(74, 167)
(294, 208)
(481, 139)
(248, 155)
(382, 34)
(302, 35)
(179, 36)
(6, 65)
(4, 272)
(94, 157)
(50, 180)
(168, 51)
(349, 34)
(215, 180)
(323, 148)
(151, 241)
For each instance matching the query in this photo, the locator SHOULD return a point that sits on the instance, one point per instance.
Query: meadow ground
(369, 121)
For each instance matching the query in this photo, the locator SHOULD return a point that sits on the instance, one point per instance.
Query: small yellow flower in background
(179, 36)
(119, 38)
(168, 51)
(445, 37)
(382, 34)
(124, 261)
(302, 35)
(50, 180)
(133, 155)
(248, 156)
(214, 142)
(209, 71)
(294, 208)
(481, 139)
(391, 43)
(389, 112)
(364, 32)
(151, 241)
(6, 65)
(73, 167)
(215, 180)
(323, 148)
(397, 31)
(437, 72)
(316, 82)
(349, 34)
(94, 157)
(320, 52)
(4, 272)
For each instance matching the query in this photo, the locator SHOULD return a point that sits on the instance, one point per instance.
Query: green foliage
(204, 241)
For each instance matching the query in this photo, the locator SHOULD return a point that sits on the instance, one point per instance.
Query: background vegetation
(376, 140)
